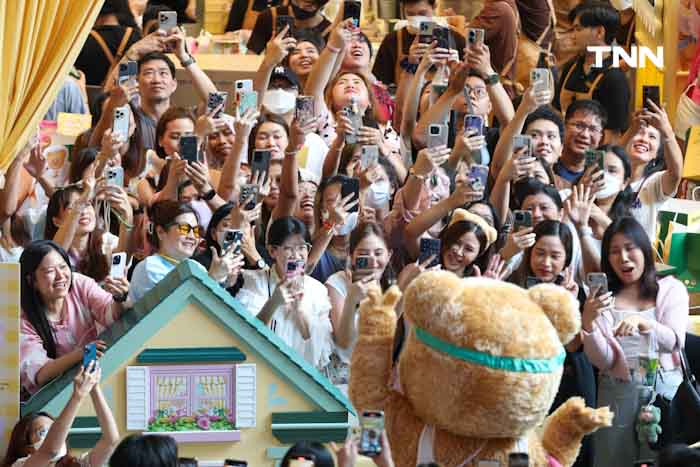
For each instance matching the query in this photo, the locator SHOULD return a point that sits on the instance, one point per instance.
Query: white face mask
(613, 186)
(378, 194)
(279, 101)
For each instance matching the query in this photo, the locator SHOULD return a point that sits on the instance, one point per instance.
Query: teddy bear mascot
(477, 373)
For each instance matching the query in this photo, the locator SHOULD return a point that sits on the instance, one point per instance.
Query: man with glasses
(595, 24)
(584, 123)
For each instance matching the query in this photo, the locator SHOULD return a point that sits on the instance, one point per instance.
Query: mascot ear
(560, 307)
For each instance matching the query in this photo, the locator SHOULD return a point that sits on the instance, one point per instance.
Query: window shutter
(137, 398)
(245, 396)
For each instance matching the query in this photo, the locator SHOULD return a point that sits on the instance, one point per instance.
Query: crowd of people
(430, 156)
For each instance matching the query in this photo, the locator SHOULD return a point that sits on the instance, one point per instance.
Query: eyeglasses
(185, 229)
(581, 127)
(294, 249)
(479, 92)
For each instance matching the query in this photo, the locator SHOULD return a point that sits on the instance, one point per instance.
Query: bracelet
(327, 226)
(291, 153)
(121, 298)
(209, 195)
(188, 61)
(332, 49)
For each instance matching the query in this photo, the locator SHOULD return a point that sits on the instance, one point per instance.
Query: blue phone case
(89, 354)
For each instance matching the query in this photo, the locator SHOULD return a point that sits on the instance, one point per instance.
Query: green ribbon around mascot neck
(521, 365)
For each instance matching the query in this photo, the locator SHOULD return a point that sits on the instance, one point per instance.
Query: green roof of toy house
(190, 283)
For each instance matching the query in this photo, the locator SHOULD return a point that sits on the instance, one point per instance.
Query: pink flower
(203, 423)
(214, 418)
(152, 420)
(173, 419)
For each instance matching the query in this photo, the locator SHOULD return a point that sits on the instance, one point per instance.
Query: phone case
(246, 192)
(369, 156)
(89, 354)
(474, 123)
(356, 121)
(437, 135)
(595, 157)
(522, 141)
(428, 248)
(114, 176)
(352, 9)
(597, 279)
(188, 148)
(281, 22)
(539, 78)
(651, 93)
(426, 32)
(442, 36)
(362, 262)
(522, 219)
(304, 108)
(370, 438)
(261, 161)
(351, 185)
(121, 122)
(118, 268)
(215, 100)
(478, 176)
(475, 36)
(242, 85)
(167, 20)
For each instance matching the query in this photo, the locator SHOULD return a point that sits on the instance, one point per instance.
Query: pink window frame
(189, 372)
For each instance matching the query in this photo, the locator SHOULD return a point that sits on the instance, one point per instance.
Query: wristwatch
(407, 66)
(412, 171)
(492, 79)
(188, 61)
(209, 195)
(261, 264)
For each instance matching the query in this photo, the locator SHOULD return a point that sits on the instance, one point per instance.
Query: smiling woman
(61, 312)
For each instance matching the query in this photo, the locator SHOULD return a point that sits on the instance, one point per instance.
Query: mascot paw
(589, 419)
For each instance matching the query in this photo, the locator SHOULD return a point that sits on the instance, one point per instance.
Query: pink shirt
(672, 304)
(87, 311)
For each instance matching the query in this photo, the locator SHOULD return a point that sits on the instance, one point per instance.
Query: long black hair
(630, 228)
(364, 230)
(625, 198)
(145, 451)
(543, 229)
(322, 457)
(32, 305)
(216, 218)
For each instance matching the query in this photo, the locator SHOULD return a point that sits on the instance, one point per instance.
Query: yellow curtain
(40, 42)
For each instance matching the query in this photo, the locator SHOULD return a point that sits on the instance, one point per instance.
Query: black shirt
(385, 63)
(612, 92)
(92, 60)
(262, 32)
(239, 8)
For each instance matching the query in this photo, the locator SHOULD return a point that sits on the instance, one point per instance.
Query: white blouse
(259, 285)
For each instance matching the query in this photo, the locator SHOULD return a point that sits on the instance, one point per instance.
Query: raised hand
(496, 269)
(430, 159)
(594, 307)
(569, 282)
(578, 206)
(280, 46)
(86, 379)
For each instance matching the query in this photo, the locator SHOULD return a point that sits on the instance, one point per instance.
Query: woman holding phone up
(641, 320)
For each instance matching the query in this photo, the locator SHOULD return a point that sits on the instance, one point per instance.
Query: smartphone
(595, 157)
(127, 71)
(118, 268)
(243, 85)
(120, 126)
(473, 124)
(305, 108)
(284, 20)
(167, 20)
(441, 35)
(425, 35)
(518, 459)
(302, 461)
(362, 262)
(521, 219)
(292, 268)
(216, 99)
(352, 9)
(539, 78)
(114, 176)
(429, 247)
(261, 161)
(651, 93)
(232, 238)
(437, 135)
(522, 141)
(369, 156)
(247, 191)
(189, 149)
(351, 185)
(532, 281)
(89, 354)
(478, 176)
(372, 423)
(597, 280)
(356, 120)
(246, 100)
(235, 463)
(475, 36)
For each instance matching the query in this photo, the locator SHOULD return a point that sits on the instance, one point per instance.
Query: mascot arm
(566, 427)
(370, 370)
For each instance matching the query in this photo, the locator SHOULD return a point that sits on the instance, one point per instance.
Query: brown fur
(474, 408)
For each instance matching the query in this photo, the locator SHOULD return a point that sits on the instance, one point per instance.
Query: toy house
(189, 361)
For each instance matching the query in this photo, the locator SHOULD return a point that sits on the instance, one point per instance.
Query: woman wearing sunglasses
(175, 234)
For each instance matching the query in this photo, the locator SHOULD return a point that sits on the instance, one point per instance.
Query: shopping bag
(682, 212)
(691, 165)
(684, 255)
